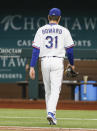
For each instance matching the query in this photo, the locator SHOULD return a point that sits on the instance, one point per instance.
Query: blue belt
(52, 56)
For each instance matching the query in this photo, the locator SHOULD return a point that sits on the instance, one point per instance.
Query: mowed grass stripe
(37, 118)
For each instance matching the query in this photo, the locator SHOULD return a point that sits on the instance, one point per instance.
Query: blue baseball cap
(55, 12)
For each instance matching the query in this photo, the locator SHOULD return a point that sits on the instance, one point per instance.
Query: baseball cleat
(51, 118)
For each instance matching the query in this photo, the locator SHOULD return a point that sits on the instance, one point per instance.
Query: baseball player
(52, 41)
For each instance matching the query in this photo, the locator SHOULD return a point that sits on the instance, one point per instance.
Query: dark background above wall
(47, 4)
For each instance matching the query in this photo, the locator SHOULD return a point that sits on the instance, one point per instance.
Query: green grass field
(37, 118)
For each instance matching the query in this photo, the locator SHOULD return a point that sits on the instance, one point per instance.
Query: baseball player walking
(52, 41)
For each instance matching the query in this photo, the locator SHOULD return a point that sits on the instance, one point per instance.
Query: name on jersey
(52, 30)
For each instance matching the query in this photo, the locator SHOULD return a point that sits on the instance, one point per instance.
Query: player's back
(52, 40)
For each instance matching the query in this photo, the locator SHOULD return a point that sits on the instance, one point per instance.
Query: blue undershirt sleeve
(35, 55)
(69, 52)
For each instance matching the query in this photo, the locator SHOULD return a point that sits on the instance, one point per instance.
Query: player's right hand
(72, 66)
(70, 72)
(32, 73)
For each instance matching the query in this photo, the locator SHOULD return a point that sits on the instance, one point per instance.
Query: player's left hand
(32, 73)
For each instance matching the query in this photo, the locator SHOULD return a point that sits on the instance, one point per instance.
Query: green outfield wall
(17, 30)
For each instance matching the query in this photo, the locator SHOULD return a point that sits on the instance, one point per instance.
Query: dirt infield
(9, 128)
(40, 104)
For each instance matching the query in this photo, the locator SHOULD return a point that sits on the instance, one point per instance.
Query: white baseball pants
(52, 71)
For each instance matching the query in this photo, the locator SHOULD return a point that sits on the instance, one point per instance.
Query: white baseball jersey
(52, 39)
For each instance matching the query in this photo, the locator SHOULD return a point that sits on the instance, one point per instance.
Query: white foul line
(82, 119)
(29, 128)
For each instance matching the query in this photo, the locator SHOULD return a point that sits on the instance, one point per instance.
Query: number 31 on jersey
(52, 42)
